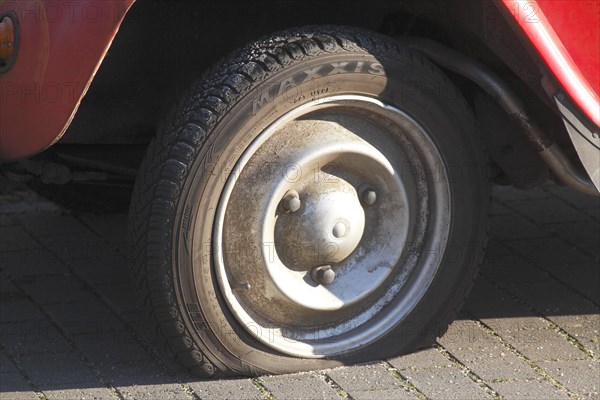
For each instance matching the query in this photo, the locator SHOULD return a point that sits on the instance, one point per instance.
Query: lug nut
(369, 197)
(291, 201)
(339, 230)
(323, 275)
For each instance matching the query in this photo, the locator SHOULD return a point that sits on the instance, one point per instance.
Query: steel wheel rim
(279, 298)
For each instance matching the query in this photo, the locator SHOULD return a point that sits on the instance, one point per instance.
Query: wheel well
(164, 46)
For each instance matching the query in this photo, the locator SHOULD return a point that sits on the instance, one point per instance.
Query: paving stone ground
(70, 326)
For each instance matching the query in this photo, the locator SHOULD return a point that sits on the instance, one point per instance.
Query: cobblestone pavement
(71, 327)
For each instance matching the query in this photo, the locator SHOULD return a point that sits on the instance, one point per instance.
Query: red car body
(567, 36)
(61, 45)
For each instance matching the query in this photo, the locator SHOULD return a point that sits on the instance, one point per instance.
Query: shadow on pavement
(70, 319)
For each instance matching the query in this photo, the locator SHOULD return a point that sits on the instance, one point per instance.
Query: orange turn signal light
(8, 42)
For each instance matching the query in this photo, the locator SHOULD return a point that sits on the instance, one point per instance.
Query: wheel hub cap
(322, 241)
(327, 227)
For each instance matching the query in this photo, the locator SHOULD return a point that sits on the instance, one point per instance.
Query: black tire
(216, 120)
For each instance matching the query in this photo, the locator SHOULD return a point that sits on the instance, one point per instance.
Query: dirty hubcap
(326, 234)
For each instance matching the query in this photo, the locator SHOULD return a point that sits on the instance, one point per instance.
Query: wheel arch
(144, 74)
(163, 46)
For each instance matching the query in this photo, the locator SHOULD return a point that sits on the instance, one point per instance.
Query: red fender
(566, 34)
(61, 46)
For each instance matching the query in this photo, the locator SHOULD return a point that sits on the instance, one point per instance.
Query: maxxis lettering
(289, 88)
